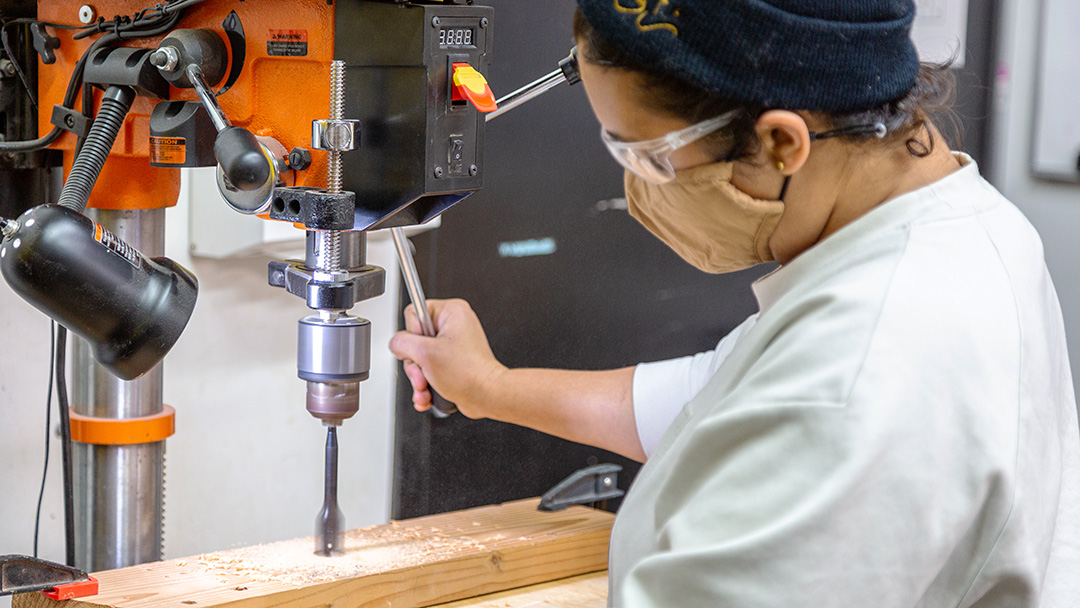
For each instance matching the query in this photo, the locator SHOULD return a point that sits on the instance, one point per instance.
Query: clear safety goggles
(651, 160)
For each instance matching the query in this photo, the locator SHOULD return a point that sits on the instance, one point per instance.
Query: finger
(409, 346)
(412, 322)
(416, 377)
(438, 309)
(442, 310)
(422, 401)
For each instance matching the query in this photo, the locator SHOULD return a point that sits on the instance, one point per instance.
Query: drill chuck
(334, 356)
(333, 403)
(337, 350)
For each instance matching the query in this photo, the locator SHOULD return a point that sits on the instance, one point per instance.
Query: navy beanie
(817, 55)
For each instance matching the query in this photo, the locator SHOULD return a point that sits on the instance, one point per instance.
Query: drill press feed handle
(241, 157)
(440, 407)
(247, 172)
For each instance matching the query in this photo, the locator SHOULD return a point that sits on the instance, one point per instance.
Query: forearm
(595, 407)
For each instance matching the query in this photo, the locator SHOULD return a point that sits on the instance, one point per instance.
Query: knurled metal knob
(334, 135)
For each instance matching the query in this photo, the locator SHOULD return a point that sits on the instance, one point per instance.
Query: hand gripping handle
(440, 407)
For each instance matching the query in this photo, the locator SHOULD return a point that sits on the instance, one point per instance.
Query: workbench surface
(427, 561)
(585, 591)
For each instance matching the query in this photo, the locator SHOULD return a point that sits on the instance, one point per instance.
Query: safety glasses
(651, 160)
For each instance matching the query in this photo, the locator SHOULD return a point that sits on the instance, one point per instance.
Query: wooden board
(418, 562)
(585, 591)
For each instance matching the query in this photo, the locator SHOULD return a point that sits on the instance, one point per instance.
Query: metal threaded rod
(330, 249)
(95, 151)
(337, 112)
(330, 241)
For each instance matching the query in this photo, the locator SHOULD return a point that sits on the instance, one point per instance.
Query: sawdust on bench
(367, 551)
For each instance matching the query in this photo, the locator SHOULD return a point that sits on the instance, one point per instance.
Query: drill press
(424, 155)
(419, 101)
(408, 71)
(243, 86)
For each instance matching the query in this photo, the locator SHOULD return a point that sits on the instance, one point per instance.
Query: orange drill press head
(422, 150)
(249, 87)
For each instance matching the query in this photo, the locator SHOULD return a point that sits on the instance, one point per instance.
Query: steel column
(119, 490)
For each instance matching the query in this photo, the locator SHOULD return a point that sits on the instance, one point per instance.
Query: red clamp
(73, 590)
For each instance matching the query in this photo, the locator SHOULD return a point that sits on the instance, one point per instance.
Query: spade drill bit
(330, 525)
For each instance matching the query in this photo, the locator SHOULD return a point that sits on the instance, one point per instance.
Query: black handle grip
(440, 407)
(241, 157)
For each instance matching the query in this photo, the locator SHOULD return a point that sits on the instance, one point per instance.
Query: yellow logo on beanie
(659, 17)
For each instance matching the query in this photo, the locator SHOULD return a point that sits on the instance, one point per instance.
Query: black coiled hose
(94, 152)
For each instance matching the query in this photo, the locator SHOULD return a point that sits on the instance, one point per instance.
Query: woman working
(897, 424)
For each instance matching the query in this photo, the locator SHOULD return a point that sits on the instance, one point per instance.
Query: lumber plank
(585, 591)
(418, 562)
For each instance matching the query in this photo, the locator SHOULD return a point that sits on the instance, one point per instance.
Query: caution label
(287, 43)
(113, 243)
(168, 150)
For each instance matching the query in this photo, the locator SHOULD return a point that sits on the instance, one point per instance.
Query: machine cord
(11, 55)
(120, 28)
(48, 434)
(65, 440)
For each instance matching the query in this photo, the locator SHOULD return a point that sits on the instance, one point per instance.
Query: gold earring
(780, 165)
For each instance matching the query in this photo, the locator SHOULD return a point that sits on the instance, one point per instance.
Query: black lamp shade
(130, 308)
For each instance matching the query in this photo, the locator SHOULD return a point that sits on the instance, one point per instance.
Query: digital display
(457, 36)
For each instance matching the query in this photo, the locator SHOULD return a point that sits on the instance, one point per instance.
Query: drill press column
(119, 489)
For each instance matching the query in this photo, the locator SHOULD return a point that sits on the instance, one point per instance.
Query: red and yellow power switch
(471, 85)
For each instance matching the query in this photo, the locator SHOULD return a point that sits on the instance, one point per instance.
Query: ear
(785, 138)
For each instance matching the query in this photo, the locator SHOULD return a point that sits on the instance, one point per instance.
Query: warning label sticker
(113, 243)
(168, 150)
(287, 43)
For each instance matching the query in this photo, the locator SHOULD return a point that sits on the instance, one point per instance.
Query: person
(897, 425)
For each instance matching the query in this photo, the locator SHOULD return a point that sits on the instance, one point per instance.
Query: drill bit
(330, 524)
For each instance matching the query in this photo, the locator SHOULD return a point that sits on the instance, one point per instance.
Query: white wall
(1054, 208)
(245, 465)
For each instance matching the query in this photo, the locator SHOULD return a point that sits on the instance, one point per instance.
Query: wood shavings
(367, 551)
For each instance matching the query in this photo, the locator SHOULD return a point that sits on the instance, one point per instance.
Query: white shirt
(663, 388)
(897, 427)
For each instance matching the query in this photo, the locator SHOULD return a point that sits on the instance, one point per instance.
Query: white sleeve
(663, 388)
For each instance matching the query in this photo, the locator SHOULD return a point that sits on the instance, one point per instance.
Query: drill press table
(428, 561)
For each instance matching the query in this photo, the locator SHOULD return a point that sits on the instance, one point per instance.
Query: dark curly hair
(908, 118)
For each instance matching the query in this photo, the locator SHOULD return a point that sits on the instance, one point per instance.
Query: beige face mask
(706, 220)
